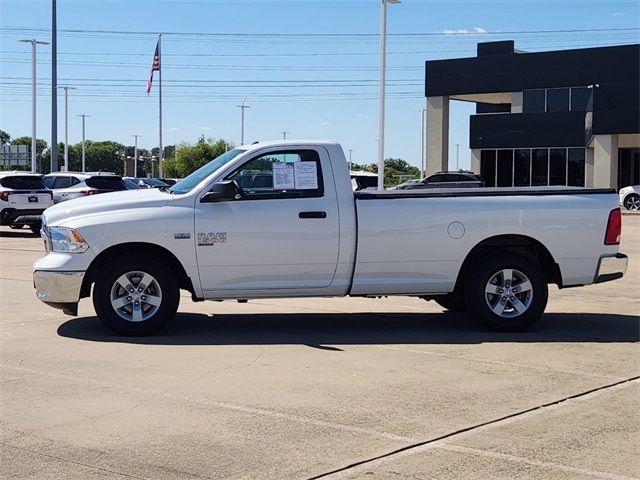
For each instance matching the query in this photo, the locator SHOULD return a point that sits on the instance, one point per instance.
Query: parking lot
(321, 388)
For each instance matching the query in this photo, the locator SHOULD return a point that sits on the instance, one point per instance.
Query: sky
(308, 68)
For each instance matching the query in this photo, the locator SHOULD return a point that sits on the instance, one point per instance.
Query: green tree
(191, 157)
(4, 137)
(42, 164)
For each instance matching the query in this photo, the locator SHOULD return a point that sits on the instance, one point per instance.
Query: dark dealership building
(569, 117)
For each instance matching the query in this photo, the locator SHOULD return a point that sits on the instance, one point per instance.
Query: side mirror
(220, 192)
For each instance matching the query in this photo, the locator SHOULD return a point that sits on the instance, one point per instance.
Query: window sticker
(283, 176)
(306, 175)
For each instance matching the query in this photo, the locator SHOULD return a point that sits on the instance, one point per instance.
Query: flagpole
(160, 105)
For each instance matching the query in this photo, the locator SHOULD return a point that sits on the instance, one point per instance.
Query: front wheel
(35, 227)
(632, 202)
(136, 295)
(507, 292)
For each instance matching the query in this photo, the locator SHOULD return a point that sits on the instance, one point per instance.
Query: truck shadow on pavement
(329, 330)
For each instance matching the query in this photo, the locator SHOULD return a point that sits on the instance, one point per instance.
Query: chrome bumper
(611, 268)
(58, 287)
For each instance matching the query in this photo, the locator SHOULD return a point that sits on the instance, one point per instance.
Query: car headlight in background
(66, 240)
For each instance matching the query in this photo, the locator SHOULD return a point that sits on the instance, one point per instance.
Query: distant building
(569, 117)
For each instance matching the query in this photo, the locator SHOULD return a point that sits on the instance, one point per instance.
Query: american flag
(155, 66)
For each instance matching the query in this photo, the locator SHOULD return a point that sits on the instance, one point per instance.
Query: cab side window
(283, 174)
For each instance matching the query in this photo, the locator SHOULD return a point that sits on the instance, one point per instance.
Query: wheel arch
(107, 255)
(519, 244)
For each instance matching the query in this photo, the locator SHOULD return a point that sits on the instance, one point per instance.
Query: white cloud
(465, 31)
(617, 14)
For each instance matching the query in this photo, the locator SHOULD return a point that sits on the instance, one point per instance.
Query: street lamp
(284, 135)
(383, 62)
(423, 167)
(33, 43)
(66, 128)
(83, 115)
(135, 156)
(242, 106)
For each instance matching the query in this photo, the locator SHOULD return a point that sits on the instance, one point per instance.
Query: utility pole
(65, 168)
(457, 155)
(135, 156)
(284, 135)
(242, 106)
(423, 167)
(33, 43)
(350, 150)
(83, 115)
(54, 88)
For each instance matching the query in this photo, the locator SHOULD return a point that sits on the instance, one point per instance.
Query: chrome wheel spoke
(153, 300)
(144, 283)
(499, 307)
(120, 302)
(508, 293)
(518, 305)
(523, 287)
(142, 296)
(493, 289)
(125, 283)
(507, 277)
(136, 314)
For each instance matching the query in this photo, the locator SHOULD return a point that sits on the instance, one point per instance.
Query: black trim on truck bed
(484, 192)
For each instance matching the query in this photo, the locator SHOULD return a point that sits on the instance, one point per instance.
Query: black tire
(453, 302)
(632, 202)
(147, 317)
(35, 228)
(523, 305)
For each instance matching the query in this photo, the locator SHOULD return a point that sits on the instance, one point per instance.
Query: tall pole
(160, 152)
(65, 167)
(422, 143)
(242, 106)
(383, 65)
(350, 150)
(135, 156)
(457, 156)
(54, 88)
(84, 166)
(33, 43)
(284, 135)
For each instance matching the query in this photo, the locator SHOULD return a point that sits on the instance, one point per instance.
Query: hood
(105, 202)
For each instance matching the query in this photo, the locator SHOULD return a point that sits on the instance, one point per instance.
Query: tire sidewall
(128, 263)
(480, 275)
(628, 198)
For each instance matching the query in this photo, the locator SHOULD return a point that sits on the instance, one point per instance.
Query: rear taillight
(614, 228)
(4, 196)
(88, 192)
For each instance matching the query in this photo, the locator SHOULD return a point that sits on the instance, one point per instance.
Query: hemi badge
(181, 235)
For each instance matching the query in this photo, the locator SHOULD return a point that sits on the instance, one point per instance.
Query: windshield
(188, 183)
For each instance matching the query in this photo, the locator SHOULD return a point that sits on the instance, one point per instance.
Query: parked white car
(68, 185)
(630, 197)
(306, 233)
(23, 198)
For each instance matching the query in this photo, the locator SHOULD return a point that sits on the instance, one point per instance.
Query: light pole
(284, 135)
(242, 106)
(457, 151)
(65, 168)
(350, 150)
(383, 64)
(423, 167)
(83, 115)
(33, 43)
(135, 156)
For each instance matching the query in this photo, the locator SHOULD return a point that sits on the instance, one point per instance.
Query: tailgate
(30, 201)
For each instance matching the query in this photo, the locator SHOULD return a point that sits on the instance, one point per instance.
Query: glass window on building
(539, 167)
(522, 168)
(581, 99)
(504, 177)
(576, 167)
(488, 167)
(558, 100)
(533, 101)
(558, 166)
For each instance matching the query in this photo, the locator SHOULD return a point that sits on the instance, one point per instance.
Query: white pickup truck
(280, 219)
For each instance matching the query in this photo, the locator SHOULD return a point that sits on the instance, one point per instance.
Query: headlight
(66, 240)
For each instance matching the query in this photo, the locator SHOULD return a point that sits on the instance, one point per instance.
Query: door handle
(312, 215)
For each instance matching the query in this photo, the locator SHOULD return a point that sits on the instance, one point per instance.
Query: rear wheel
(506, 292)
(35, 227)
(632, 202)
(136, 295)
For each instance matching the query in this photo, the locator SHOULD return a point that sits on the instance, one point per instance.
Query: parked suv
(23, 198)
(68, 185)
(445, 180)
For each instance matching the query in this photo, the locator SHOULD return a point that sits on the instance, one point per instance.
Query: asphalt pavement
(320, 388)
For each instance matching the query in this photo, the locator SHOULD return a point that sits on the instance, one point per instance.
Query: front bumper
(611, 268)
(59, 289)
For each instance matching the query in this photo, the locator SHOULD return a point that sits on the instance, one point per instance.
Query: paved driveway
(320, 388)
